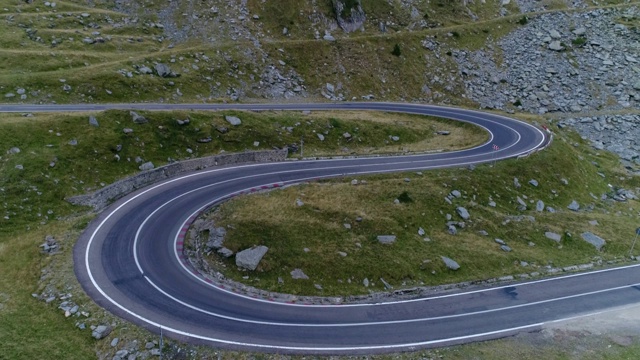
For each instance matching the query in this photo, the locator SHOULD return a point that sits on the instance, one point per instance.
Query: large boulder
(298, 274)
(101, 332)
(574, 206)
(349, 15)
(250, 258)
(464, 214)
(163, 70)
(553, 236)
(451, 264)
(386, 239)
(146, 166)
(137, 118)
(233, 120)
(594, 240)
(556, 46)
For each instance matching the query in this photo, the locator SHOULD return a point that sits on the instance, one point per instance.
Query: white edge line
(255, 345)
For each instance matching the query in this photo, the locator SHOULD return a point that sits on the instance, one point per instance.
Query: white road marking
(101, 291)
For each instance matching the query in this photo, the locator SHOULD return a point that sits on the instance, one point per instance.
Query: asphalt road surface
(129, 260)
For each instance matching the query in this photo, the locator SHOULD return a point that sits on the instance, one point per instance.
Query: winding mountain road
(129, 259)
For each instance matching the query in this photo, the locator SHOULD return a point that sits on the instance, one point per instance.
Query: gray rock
(145, 70)
(540, 206)
(320, 136)
(505, 248)
(250, 258)
(298, 274)
(73, 142)
(13, 151)
(346, 135)
(386, 239)
(574, 206)
(553, 236)
(114, 342)
(533, 182)
(550, 209)
(386, 284)
(163, 70)
(579, 31)
(138, 119)
(127, 130)
(224, 252)
(516, 183)
(233, 120)
(146, 166)
(554, 34)
(421, 231)
(492, 204)
(317, 286)
(594, 240)
(464, 214)
(456, 193)
(483, 233)
(556, 46)
(329, 37)
(93, 121)
(443, 132)
(299, 202)
(365, 282)
(452, 230)
(101, 331)
(521, 202)
(450, 263)
(500, 241)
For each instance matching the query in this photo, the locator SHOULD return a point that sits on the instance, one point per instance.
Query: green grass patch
(47, 169)
(273, 219)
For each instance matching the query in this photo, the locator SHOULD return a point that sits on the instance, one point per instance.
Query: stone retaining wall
(101, 198)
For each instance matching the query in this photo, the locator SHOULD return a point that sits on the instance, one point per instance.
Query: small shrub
(455, 34)
(449, 53)
(396, 50)
(405, 198)
(517, 103)
(579, 41)
(523, 20)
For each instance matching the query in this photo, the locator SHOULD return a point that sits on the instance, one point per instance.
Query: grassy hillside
(49, 168)
(273, 219)
(222, 51)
